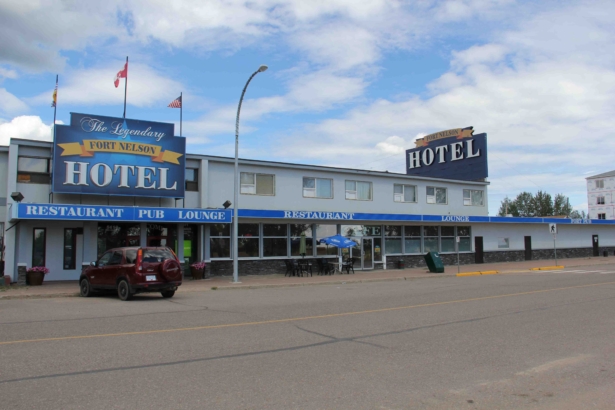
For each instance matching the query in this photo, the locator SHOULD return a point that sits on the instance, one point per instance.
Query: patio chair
(348, 265)
(289, 268)
(324, 267)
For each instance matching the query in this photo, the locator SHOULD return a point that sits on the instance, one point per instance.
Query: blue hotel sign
(452, 154)
(66, 212)
(116, 156)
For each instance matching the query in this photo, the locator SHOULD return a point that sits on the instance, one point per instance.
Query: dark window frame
(192, 184)
(44, 245)
(32, 177)
(73, 256)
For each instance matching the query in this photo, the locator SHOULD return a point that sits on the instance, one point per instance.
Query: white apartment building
(600, 199)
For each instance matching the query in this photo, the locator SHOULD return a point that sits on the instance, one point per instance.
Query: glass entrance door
(363, 253)
(367, 254)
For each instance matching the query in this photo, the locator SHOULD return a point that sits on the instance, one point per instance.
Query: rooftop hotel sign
(451, 154)
(116, 156)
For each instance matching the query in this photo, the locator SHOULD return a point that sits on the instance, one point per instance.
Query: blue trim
(140, 214)
(355, 216)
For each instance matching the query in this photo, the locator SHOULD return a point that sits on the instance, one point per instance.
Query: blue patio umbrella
(339, 241)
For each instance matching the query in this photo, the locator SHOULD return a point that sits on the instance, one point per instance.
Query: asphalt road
(541, 340)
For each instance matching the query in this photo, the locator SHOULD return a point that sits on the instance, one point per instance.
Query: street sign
(553, 228)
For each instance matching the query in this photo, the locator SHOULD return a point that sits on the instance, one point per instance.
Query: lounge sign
(116, 156)
(450, 154)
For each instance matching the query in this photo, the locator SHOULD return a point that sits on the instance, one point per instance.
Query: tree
(541, 204)
(574, 214)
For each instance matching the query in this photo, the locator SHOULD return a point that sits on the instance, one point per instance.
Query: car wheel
(123, 290)
(85, 290)
(167, 293)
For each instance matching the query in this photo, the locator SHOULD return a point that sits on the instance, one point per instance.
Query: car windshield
(156, 255)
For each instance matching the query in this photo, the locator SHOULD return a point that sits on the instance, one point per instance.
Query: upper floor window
(359, 190)
(600, 200)
(192, 179)
(257, 184)
(33, 170)
(404, 193)
(473, 197)
(436, 195)
(600, 183)
(317, 188)
(601, 216)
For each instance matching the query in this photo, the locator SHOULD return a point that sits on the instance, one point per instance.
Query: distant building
(600, 200)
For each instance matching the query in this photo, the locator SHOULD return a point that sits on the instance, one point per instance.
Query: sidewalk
(71, 288)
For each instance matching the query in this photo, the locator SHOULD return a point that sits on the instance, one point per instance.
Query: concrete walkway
(71, 288)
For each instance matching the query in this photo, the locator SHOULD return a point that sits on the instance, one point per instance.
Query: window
(359, 190)
(600, 183)
(317, 188)
(412, 239)
(275, 240)
(600, 200)
(392, 239)
(33, 170)
(447, 239)
(117, 257)
(465, 244)
(436, 195)
(257, 184)
(38, 246)
(404, 193)
(295, 239)
(70, 248)
(248, 241)
(192, 179)
(430, 238)
(220, 240)
(601, 216)
(472, 197)
(503, 243)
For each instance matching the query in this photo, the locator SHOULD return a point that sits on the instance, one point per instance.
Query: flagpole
(181, 107)
(125, 87)
(53, 134)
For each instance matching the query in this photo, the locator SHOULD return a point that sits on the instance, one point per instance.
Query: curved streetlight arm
(236, 183)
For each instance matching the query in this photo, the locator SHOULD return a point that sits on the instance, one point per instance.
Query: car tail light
(139, 260)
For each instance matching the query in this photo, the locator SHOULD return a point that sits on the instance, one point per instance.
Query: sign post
(553, 230)
(457, 240)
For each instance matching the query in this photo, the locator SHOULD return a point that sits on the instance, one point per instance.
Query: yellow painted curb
(549, 268)
(486, 272)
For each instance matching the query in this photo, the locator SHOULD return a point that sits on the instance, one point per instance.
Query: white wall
(568, 236)
(289, 192)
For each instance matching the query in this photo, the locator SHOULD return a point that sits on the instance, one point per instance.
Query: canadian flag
(123, 73)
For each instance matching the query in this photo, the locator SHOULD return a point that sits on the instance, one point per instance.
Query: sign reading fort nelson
(117, 156)
(452, 154)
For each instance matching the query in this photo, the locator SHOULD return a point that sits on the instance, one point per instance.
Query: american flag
(176, 103)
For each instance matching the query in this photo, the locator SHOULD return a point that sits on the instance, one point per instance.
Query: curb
(486, 272)
(549, 268)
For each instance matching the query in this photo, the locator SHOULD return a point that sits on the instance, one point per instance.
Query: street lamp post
(236, 184)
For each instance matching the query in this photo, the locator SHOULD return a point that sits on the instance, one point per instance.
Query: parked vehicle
(133, 270)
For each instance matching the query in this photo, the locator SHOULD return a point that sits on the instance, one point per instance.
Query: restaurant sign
(117, 156)
(451, 154)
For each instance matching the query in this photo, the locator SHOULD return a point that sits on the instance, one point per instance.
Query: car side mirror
(94, 264)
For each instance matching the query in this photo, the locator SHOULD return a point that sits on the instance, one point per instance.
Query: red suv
(133, 270)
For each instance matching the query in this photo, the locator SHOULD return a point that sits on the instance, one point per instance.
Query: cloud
(9, 104)
(25, 127)
(34, 33)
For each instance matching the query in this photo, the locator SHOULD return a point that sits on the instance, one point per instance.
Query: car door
(112, 270)
(95, 273)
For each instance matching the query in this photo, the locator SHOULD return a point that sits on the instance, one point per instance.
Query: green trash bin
(434, 262)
